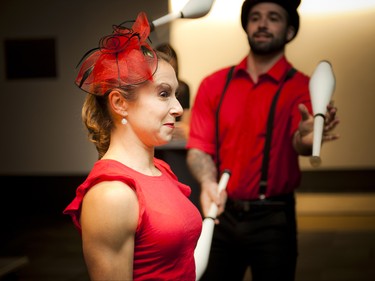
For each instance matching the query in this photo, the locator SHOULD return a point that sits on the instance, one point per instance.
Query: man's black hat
(289, 5)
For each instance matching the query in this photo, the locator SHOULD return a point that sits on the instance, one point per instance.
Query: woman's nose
(176, 109)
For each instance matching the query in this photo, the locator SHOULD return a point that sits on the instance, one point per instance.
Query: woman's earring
(124, 121)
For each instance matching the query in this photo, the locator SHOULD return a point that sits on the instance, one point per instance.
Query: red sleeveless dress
(169, 224)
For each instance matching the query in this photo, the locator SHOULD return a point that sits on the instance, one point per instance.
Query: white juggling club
(322, 84)
(202, 250)
(192, 10)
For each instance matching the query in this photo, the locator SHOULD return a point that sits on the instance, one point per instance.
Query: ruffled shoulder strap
(103, 170)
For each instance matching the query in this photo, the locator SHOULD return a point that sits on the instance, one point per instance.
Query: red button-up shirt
(243, 119)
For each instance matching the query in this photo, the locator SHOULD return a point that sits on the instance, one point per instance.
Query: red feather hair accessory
(123, 58)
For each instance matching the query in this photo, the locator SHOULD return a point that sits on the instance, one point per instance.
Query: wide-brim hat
(289, 5)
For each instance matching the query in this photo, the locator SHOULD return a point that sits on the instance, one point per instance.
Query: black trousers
(262, 235)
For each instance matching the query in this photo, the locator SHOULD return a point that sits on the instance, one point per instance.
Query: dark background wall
(42, 133)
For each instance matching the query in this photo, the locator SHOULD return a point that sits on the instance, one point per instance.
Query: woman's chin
(165, 140)
(168, 139)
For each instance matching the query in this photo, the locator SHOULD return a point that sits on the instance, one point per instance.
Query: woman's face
(152, 116)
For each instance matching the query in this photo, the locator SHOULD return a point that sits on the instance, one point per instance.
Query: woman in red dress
(135, 218)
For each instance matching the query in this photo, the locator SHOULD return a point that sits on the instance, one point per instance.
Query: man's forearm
(201, 166)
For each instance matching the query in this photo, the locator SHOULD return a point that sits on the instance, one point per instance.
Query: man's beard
(267, 48)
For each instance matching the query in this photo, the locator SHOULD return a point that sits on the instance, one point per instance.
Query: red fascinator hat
(122, 58)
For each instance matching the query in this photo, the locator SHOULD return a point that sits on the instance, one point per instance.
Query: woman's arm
(109, 220)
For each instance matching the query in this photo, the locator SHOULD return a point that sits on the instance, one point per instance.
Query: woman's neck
(134, 155)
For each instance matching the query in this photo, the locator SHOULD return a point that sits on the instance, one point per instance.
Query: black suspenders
(229, 77)
(267, 145)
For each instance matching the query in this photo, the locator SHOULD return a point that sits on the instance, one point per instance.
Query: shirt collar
(276, 72)
(279, 70)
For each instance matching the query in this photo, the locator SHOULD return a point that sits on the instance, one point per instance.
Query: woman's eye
(164, 94)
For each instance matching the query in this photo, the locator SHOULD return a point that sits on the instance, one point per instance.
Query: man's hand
(303, 138)
(330, 123)
(209, 195)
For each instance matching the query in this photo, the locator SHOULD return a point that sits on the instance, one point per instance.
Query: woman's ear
(118, 103)
(290, 33)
